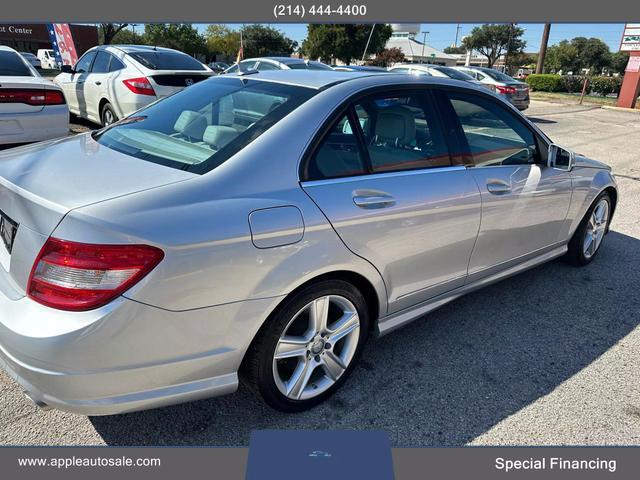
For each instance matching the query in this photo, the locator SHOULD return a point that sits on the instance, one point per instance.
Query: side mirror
(560, 158)
(67, 69)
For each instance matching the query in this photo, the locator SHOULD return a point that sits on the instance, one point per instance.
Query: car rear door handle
(498, 187)
(374, 201)
(98, 83)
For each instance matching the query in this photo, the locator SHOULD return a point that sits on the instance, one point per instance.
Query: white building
(405, 36)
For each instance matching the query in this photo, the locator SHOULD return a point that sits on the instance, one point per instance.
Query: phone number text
(289, 10)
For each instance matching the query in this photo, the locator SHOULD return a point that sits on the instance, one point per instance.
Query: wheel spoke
(333, 365)
(289, 347)
(300, 378)
(319, 314)
(343, 327)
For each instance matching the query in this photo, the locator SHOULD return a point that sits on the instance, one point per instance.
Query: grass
(575, 98)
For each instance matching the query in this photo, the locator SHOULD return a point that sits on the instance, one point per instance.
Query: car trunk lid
(168, 82)
(9, 86)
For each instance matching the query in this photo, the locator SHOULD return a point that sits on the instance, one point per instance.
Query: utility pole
(543, 48)
(455, 44)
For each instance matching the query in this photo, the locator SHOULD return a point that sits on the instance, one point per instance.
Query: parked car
(48, 59)
(268, 224)
(434, 70)
(358, 68)
(111, 82)
(218, 67)
(31, 108)
(32, 59)
(277, 63)
(503, 85)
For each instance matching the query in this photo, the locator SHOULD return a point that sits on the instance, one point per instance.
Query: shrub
(545, 82)
(606, 85)
(574, 83)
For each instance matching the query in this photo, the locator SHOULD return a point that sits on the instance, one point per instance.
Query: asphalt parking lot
(550, 357)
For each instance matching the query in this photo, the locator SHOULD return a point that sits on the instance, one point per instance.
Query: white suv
(110, 82)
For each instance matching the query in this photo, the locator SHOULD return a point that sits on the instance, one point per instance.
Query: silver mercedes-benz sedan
(263, 226)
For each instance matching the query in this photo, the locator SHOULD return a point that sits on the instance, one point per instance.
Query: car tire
(268, 376)
(107, 115)
(587, 240)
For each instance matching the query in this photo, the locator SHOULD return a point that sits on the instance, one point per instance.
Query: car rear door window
(263, 66)
(115, 64)
(339, 153)
(101, 63)
(493, 134)
(402, 132)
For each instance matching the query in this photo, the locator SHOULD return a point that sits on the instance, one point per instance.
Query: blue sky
(442, 35)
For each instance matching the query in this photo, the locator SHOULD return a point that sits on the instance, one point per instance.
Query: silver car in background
(32, 108)
(512, 90)
(265, 225)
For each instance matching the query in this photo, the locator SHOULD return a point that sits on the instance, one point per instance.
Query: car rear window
(453, 73)
(12, 65)
(498, 76)
(202, 126)
(163, 60)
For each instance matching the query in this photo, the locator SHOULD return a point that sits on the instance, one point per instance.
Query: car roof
(322, 79)
(4, 48)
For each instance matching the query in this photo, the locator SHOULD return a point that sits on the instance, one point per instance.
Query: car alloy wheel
(316, 347)
(108, 117)
(596, 228)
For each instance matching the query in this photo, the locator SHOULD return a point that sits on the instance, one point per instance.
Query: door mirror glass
(66, 69)
(560, 157)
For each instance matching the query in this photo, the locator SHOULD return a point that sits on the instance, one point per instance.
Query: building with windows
(406, 37)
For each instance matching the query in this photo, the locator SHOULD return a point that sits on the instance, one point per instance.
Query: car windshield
(12, 65)
(167, 60)
(498, 76)
(204, 125)
(453, 73)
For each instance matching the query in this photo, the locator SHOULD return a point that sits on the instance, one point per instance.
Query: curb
(622, 109)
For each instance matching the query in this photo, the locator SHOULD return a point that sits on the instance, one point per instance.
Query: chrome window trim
(371, 176)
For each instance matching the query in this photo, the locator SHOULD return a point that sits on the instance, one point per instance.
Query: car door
(524, 202)
(383, 176)
(96, 83)
(72, 84)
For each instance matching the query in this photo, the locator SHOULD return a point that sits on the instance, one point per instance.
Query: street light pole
(424, 41)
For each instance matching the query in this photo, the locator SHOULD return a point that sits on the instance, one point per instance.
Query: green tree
(563, 56)
(260, 41)
(221, 40)
(127, 37)
(179, 36)
(618, 62)
(388, 57)
(344, 42)
(493, 41)
(107, 31)
(455, 50)
(593, 54)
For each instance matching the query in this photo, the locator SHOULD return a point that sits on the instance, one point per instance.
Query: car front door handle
(98, 83)
(498, 187)
(374, 201)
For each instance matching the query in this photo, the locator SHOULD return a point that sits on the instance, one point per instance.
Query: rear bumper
(125, 356)
(51, 122)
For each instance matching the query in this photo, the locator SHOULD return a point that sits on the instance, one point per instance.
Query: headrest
(219, 135)
(191, 124)
(396, 124)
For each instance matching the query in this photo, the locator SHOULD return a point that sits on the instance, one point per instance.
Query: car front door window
(494, 136)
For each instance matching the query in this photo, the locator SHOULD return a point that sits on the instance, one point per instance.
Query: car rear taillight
(79, 276)
(505, 89)
(140, 85)
(31, 96)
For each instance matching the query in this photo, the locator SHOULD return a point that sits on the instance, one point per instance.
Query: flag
(62, 42)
